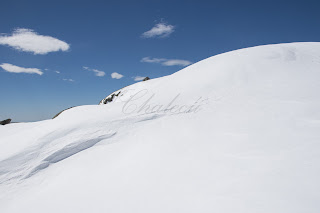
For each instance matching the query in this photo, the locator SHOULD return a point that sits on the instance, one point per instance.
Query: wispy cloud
(176, 62)
(15, 69)
(97, 72)
(68, 79)
(153, 60)
(116, 75)
(57, 72)
(166, 62)
(160, 30)
(29, 41)
(138, 78)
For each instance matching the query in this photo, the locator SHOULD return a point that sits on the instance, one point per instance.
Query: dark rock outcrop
(4, 122)
(110, 99)
(117, 93)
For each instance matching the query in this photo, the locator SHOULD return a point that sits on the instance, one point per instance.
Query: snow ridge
(30, 162)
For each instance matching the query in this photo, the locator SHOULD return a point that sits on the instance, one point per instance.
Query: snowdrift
(237, 132)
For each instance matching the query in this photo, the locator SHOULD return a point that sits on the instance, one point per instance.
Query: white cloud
(116, 75)
(166, 62)
(97, 72)
(160, 30)
(15, 69)
(153, 60)
(138, 78)
(57, 72)
(68, 79)
(29, 41)
(176, 62)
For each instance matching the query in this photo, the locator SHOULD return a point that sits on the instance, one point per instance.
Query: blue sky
(87, 41)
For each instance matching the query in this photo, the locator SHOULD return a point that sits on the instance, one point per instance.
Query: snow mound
(237, 132)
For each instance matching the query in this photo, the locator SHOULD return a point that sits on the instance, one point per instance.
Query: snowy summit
(237, 132)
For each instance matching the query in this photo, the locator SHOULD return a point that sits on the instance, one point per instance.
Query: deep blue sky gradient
(105, 35)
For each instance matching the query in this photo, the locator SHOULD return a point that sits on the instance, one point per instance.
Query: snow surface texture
(237, 132)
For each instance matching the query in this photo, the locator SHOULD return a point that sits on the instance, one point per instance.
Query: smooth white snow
(237, 132)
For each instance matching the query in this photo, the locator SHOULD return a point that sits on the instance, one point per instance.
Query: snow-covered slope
(237, 132)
